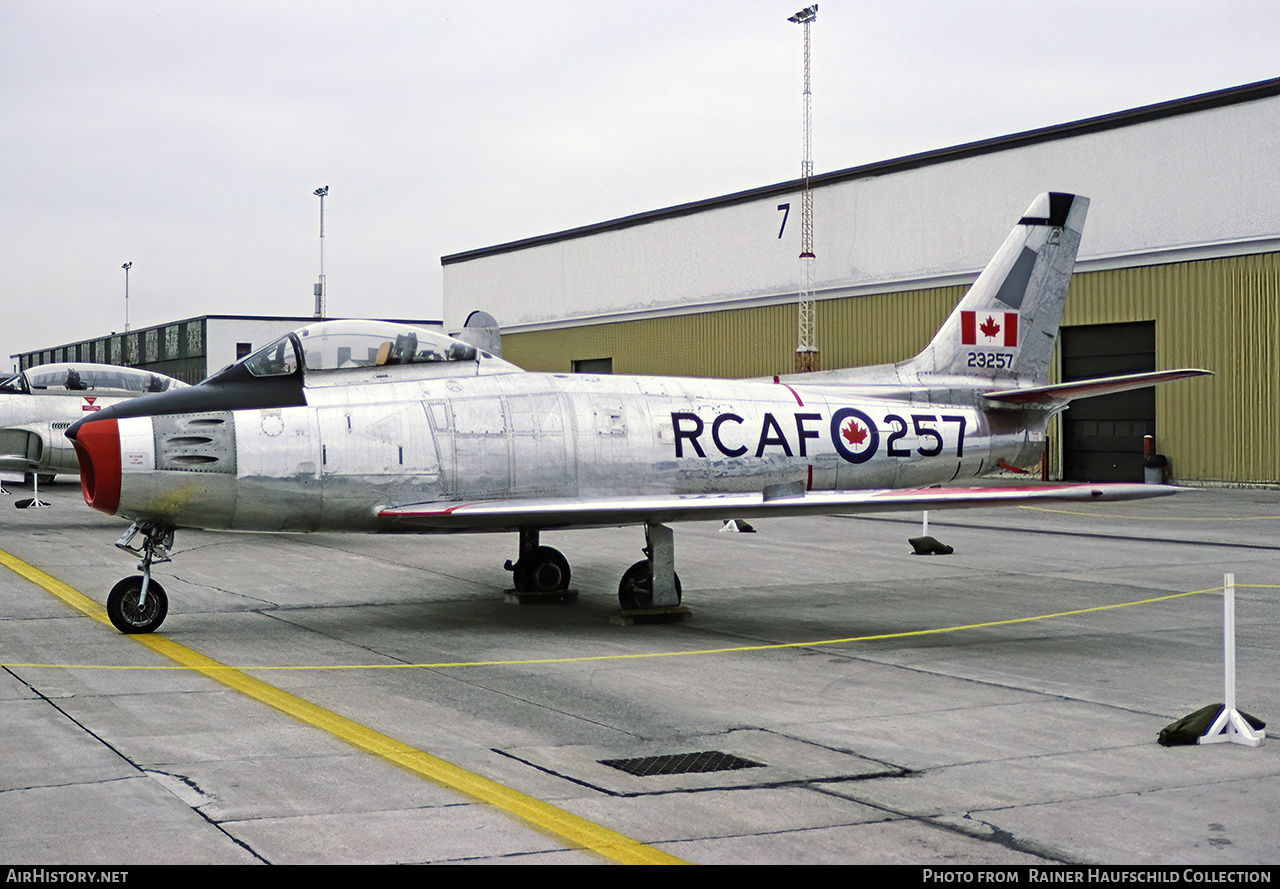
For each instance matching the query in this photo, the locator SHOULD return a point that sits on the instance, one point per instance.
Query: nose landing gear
(139, 604)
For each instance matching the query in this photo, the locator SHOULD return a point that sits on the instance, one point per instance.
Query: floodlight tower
(806, 351)
(321, 193)
(126, 267)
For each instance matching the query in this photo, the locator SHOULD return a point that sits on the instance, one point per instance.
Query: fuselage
(32, 430)
(371, 438)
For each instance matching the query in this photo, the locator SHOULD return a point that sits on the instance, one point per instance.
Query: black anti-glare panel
(682, 763)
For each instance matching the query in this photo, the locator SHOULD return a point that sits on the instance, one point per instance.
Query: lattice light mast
(806, 351)
(321, 193)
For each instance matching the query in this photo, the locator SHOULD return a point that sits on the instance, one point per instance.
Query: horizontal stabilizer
(509, 515)
(1061, 393)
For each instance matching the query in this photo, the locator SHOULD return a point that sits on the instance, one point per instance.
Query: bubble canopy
(74, 377)
(274, 375)
(344, 345)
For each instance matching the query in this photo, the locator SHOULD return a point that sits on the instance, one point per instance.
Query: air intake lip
(97, 445)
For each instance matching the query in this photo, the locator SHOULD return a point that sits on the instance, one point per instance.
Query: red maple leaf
(989, 328)
(853, 433)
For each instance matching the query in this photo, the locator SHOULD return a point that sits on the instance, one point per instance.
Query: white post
(1229, 638)
(1230, 726)
(924, 525)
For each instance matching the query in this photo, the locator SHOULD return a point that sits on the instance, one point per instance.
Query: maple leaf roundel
(854, 434)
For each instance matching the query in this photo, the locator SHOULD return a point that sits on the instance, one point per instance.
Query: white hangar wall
(1189, 179)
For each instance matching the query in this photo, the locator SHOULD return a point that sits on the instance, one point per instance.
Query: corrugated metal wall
(1219, 314)
(1222, 315)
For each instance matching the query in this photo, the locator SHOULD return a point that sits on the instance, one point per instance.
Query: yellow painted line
(772, 646)
(545, 818)
(59, 589)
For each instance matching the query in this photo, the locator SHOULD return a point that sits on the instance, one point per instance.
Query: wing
(509, 515)
(1060, 394)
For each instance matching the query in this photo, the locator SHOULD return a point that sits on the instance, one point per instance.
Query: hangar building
(1179, 267)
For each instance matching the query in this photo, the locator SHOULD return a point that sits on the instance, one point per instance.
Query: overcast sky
(187, 137)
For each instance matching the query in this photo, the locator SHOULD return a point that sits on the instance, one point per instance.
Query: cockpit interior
(347, 345)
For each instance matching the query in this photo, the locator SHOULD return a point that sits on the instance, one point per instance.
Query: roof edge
(1103, 262)
(1235, 95)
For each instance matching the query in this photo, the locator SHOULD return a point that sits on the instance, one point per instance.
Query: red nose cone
(98, 450)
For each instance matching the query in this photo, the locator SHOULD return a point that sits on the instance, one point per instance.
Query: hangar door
(1102, 437)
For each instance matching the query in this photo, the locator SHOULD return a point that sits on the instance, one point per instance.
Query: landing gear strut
(652, 583)
(139, 604)
(540, 569)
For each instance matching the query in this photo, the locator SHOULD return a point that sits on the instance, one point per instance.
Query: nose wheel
(133, 612)
(140, 604)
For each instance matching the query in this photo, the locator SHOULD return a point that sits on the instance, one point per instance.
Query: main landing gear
(652, 583)
(650, 586)
(139, 604)
(539, 569)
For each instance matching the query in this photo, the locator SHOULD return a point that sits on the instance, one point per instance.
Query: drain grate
(682, 763)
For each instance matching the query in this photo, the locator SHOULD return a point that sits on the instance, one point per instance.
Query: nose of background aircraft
(97, 444)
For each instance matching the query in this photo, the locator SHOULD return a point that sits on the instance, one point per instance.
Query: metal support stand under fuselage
(34, 502)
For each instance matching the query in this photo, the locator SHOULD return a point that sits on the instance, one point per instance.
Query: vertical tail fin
(1005, 326)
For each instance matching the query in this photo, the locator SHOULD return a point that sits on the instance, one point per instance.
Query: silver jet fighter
(367, 426)
(39, 404)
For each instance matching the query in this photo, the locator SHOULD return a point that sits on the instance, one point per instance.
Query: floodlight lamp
(806, 15)
(321, 192)
(127, 266)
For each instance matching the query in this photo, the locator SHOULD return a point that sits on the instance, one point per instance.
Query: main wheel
(122, 606)
(636, 589)
(545, 571)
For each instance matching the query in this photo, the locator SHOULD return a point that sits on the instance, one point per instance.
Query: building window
(593, 366)
(243, 349)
